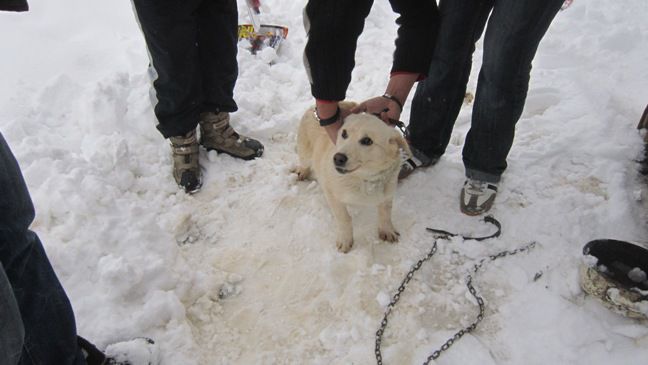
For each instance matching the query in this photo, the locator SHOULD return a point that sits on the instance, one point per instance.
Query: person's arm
(418, 27)
(389, 106)
(328, 110)
(333, 28)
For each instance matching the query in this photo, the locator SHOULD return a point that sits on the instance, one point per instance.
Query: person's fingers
(384, 117)
(377, 106)
(360, 108)
(389, 116)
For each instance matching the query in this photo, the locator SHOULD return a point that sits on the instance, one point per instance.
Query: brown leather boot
(186, 169)
(217, 134)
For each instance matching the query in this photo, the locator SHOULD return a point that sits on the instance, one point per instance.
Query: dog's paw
(303, 173)
(389, 235)
(344, 246)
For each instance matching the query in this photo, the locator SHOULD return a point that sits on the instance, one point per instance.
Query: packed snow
(246, 271)
(637, 275)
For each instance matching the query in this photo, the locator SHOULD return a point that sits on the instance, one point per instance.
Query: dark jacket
(333, 28)
(14, 5)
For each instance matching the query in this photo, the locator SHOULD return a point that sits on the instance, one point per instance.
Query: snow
(246, 271)
(637, 275)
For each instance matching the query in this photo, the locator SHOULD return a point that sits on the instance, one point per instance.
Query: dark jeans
(192, 45)
(41, 324)
(12, 333)
(513, 33)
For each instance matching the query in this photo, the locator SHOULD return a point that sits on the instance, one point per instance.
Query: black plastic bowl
(620, 258)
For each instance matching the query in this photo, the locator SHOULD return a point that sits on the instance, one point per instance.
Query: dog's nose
(339, 159)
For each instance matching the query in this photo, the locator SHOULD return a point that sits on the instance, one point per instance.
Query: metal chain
(396, 298)
(469, 279)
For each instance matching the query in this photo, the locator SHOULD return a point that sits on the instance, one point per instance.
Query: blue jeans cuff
(482, 176)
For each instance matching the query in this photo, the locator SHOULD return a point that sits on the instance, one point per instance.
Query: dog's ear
(400, 141)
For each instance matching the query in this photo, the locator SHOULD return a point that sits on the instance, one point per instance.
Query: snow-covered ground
(140, 258)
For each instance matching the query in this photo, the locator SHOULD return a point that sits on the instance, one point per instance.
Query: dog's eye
(345, 135)
(366, 141)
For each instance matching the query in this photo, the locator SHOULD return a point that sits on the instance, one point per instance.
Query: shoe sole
(191, 192)
(471, 213)
(245, 158)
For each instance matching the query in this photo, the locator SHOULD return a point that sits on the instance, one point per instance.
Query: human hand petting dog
(389, 106)
(326, 110)
(386, 107)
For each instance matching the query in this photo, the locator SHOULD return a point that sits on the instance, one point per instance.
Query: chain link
(469, 279)
(396, 298)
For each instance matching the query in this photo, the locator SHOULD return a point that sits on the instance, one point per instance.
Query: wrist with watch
(323, 122)
(394, 99)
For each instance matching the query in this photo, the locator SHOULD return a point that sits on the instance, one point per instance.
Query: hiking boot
(217, 134)
(186, 169)
(620, 277)
(477, 196)
(417, 160)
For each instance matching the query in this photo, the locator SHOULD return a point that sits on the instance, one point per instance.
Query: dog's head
(366, 146)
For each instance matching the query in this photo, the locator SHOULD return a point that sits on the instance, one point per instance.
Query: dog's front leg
(344, 240)
(386, 230)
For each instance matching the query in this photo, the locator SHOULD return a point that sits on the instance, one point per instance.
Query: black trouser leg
(170, 31)
(217, 48)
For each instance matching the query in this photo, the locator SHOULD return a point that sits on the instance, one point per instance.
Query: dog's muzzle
(340, 160)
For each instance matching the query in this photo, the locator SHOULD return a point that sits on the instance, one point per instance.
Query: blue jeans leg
(513, 33)
(439, 97)
(12, 332)
(49, 327)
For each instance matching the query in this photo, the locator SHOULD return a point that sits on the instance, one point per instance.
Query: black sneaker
(477, 197)
(417, 160)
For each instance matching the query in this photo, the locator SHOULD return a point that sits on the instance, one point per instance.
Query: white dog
(361, 168)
